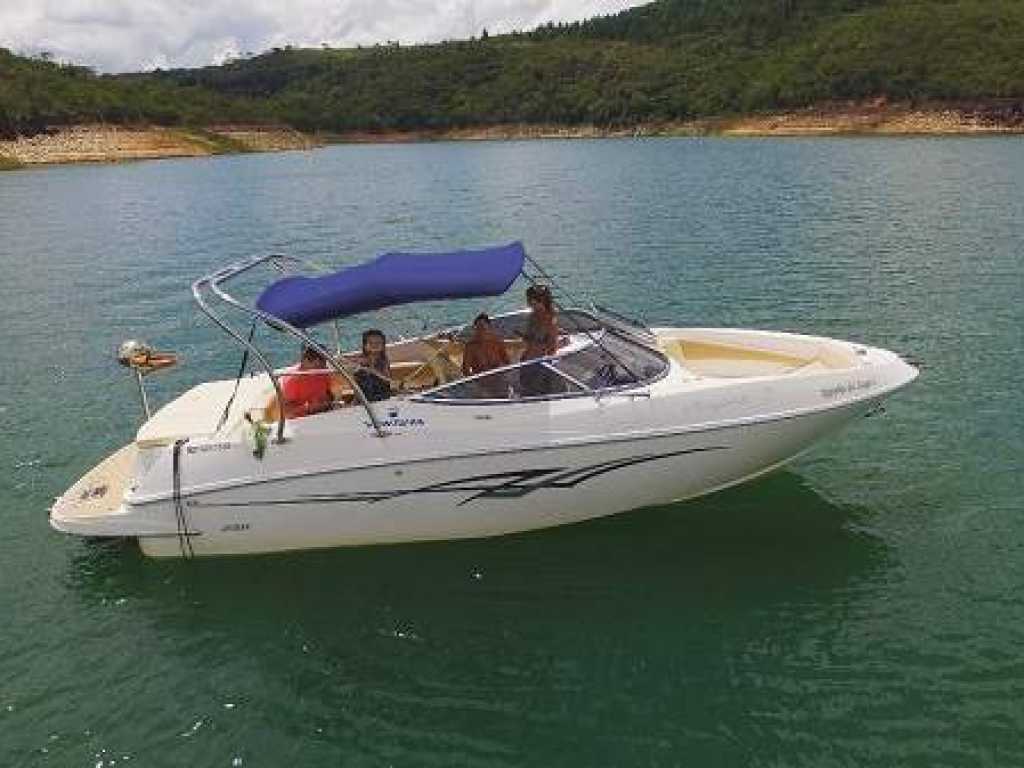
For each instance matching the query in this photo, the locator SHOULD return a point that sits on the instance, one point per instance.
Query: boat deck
(736, 354)
(101, 490)
(197, 412)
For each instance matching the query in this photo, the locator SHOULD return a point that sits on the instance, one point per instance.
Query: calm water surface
(862, 608)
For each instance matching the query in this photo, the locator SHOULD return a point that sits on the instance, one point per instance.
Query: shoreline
(101, 143)
(109, 143)
(875, 119)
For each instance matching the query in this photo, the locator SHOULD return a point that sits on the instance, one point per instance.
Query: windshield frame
(431, 396)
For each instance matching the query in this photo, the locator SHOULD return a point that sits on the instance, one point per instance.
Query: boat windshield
(590, 364)
(513, 324)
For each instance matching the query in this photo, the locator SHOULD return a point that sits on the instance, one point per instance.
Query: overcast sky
(127, 35)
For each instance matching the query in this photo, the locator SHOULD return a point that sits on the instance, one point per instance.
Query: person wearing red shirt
(309, 390)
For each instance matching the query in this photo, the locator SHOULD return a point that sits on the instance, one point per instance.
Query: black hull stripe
(706, 430)
(506, 485)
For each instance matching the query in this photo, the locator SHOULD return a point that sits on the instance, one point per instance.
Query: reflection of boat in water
(628, 416)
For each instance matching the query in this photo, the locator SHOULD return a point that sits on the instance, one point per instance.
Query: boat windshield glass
(604, 363)
(611, 362)
(521, 382)
(513, 325)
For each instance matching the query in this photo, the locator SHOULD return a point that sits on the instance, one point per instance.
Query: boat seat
(673, 348)
(413, 375)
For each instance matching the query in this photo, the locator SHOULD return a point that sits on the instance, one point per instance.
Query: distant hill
(667, 20)
(36, 93)
(670, 60)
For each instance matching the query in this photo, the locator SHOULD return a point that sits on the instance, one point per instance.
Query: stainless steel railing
(214, 282)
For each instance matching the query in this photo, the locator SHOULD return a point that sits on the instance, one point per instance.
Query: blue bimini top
(394, 278)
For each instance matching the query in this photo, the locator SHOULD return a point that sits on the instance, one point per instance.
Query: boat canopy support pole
(197, 287)
(214, 282)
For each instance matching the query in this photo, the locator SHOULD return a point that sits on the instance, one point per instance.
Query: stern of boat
(94, 506)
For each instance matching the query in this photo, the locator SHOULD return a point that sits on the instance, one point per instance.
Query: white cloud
(125, 35)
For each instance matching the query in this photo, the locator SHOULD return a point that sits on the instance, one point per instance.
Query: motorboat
(627, 416)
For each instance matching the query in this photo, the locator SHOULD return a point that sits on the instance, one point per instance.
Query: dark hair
(542, 294)
(371, 332)
(367, 335)
(311, 353)
(482, 316)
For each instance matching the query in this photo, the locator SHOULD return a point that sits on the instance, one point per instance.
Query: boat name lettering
(846, 388)
(208, 447)
(234, 527)
(404, 422)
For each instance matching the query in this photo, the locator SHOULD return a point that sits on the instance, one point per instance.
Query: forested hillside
(670, 60)
(36, 93)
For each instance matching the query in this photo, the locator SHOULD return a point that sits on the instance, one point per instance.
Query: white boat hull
(488, 495)
(453, 472)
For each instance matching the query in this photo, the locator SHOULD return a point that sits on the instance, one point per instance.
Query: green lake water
(863, 607)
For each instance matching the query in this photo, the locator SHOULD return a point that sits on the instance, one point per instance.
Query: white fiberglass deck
(101, 491)
(196, 413)
(732, 354)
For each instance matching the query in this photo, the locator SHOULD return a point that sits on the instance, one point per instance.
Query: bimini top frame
(214, 282)
(295, 302)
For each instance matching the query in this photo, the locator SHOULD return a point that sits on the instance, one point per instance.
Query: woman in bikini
(541, 337)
